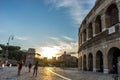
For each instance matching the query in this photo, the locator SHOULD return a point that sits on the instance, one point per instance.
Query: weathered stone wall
(101, 43)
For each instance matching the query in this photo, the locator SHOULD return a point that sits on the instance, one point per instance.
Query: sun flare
(49, 52)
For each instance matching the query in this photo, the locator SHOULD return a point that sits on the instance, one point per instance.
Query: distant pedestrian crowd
(35, 68)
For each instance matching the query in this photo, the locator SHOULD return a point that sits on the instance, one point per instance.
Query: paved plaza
(51, 73)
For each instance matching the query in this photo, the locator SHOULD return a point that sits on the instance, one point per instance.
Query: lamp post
(10, 38)
(1, 50)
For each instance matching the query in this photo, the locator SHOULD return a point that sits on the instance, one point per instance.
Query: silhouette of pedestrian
(30, 66)
(20, 67)
(35, 68)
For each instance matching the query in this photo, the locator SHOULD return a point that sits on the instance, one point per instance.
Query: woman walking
(29, 67)
(35, 68)
(20, 67)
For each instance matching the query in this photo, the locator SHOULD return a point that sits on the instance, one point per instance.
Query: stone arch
(84, 62)
(80, 38)
(80, 62)
(84, 23)
(90, 31)
(90, 62)
(99, 61)
(112, 15)
(84, 35)
(113, 55)
(98, 25)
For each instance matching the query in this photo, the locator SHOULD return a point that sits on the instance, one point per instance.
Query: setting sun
(49, 52)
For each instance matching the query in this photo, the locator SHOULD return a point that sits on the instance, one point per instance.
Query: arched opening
(90, 31)
(84, 63)
(113, 55)
(90, 62)
(98, 25)
(81, 62)
(84, 23)
(99, 61)
(84, 35)
(112, 16)
(80, 38)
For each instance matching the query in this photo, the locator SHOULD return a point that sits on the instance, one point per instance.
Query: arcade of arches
(99, 38)
(111, 18)
(111, 58)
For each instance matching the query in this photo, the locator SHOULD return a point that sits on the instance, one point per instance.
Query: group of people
(35, 69)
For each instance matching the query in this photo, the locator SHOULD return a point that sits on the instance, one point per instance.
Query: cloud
(77, 9)
(68, 38)
(21, 38)
(54, 38)
(58, 46)
(64, 45)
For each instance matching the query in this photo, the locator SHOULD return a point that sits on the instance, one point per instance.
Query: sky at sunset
(49, 26)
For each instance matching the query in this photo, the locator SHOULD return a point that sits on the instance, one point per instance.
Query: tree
(14, 52)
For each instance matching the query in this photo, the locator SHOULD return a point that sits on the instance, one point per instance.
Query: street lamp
(0, 49)
(11, 37)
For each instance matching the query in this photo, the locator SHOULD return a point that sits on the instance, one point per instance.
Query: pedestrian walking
(20, 67)
(35, 68)
(30, 66)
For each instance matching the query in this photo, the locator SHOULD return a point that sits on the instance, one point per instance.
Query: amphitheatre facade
(99, 38)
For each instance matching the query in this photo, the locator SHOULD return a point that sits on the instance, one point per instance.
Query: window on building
(90, 31)
(98, 25)
(112, 15)
(84, 33)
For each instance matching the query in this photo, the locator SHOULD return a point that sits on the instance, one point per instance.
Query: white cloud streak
(68, 38)
(77, 9)
(21, 38)
(54, 38)
(64, 45)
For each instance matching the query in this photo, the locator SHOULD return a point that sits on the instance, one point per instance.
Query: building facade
(30, 56)
(99, 38)
(68, 60)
